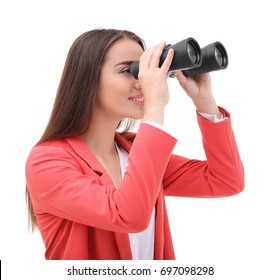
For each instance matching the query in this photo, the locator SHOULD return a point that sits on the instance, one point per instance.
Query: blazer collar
(82, 151)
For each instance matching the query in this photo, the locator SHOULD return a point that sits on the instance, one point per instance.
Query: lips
(138, 98)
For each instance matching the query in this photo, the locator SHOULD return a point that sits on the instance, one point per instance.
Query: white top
(141, 243)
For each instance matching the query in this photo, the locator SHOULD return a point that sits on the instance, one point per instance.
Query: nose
(137, 84)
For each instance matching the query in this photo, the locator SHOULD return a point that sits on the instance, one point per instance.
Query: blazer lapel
(85, 154)
(82, 151)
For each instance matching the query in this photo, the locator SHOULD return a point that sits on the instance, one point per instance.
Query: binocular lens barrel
(214, 57)
(191, 59)
(193, 53)
(187, 54)
(221, 55)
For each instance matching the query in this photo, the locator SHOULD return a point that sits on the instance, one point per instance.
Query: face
(119, 95)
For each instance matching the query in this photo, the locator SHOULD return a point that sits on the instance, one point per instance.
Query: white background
(239, 235)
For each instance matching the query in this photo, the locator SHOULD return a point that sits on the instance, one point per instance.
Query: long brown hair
(72, 109)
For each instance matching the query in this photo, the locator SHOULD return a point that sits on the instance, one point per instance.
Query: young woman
(98, 194)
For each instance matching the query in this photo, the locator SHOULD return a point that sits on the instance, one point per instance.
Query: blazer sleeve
(58, 185)
(222, 174)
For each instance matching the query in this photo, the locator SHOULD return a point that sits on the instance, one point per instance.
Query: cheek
(105, 90)
(117, 90)
(114, 90)
(110, 96)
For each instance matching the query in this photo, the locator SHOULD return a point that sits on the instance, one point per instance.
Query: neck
(100, 137)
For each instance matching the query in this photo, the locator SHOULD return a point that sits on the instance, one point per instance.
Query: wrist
(154, 115)
(208, 106)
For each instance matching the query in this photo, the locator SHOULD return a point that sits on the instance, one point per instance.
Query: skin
(120, 96)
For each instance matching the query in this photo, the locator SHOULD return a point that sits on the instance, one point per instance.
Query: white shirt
(141, 243)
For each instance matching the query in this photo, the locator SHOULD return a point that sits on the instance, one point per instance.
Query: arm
(221, 175)
(58, 185)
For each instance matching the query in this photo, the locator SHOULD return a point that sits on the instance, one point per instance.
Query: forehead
(123, 49)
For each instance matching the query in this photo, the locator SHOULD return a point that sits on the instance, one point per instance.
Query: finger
(151, 56)
(156, 54)
(182, 79)
(168, 60)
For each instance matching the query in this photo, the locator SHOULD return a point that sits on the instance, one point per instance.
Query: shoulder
(52, 145)
(48, 151)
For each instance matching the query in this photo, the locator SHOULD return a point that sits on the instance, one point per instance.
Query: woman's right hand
(153, 81)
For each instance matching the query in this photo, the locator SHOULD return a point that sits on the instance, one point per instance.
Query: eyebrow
(126, 62)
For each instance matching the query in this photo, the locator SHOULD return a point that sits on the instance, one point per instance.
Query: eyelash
(126, 71)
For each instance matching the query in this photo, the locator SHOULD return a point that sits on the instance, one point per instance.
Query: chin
(136, 115)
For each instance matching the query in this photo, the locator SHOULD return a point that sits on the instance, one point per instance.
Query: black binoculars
(191, 59)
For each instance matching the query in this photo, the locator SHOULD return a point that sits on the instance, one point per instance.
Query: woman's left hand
(199, 89)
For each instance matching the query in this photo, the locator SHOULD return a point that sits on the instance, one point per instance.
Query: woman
(98, 194)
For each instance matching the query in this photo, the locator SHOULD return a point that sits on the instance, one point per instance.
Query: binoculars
(191, 59)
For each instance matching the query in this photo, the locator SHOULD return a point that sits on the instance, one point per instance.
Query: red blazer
(80, 213)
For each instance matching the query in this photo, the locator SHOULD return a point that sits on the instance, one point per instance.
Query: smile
(138, 99)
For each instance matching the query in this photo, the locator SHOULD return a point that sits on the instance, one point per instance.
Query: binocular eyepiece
(191, 59)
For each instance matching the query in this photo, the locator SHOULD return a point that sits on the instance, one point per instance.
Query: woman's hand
(199, 89)
(153, 81)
